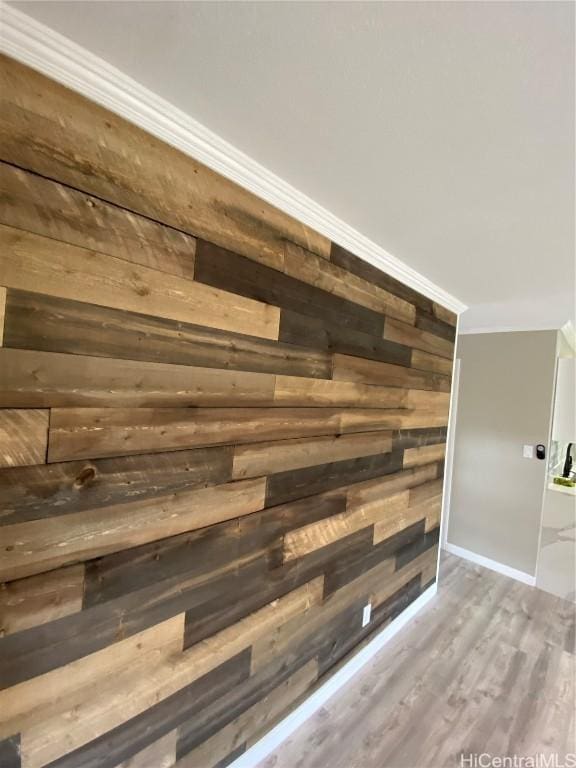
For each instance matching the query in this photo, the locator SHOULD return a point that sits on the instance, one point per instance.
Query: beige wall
(504, 402)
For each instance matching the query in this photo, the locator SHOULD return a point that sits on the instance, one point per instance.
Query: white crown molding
(520, 328)
(49, 52)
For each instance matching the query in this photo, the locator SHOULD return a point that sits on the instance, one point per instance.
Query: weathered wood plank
(28, 261)
(135, 681)
(32, 493)
(367, 271)
(424, 454)
(54, 380)
(85, 684)
(413, 438)
(94, 432)
(228, 271)
(40, 545)
(161, 719)
(417, 547)
(368, 420)
(320, 334)
(287, 455)
(444, 314)
(250, 724)
(347, 368)
(160, 754)
(378, 488)
(23, 436)
(287, 486)
(83, 145)
(40, 599)
(432, 324)
(317, 535)
(402, 333)
(40, 322)
(295, 391)
(10, 752)
(427, 362)
(313, 270)
(42, 206)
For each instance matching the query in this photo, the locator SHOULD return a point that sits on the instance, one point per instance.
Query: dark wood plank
(357, 266)
(53, 131)
(320, 334)
(427, 322)
(33, 493)
(364, 556)
(417, 547)
(347, 368)
(10, 752)
(126, 740)
(39, 205)
(287, 486)
(36, 321)
(228, 271)
(97, 432)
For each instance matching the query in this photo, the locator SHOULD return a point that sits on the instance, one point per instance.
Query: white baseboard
(494, 565)
(298, 716)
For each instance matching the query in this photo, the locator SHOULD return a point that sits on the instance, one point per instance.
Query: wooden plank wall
(221, 436)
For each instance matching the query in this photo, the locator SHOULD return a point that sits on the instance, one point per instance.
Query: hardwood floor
(487, 667)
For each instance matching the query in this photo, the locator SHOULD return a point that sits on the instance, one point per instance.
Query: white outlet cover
(366, 613)
(528, 452)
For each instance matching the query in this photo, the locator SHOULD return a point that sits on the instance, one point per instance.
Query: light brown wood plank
(312, 269)
(373, 490)
(402, 333)
(444, 314)
(107, 688)
(295, 391)
(23, 437)
(309, 538)
(66, 707)
(42, 206)
(41, 545)
(30, 379)
(61, 135)
(426, 399)
(40, 599)
(281, 456)
(160, 754)
(28, 261)
(424, 564)
(250, 724)
(424, 454)
(348, 368)
(424, 503)
(426, 362)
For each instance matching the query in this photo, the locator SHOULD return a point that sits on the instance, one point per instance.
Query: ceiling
(443, 131)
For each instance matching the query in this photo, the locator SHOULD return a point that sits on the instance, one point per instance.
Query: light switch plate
(528, 452)
(366, 613)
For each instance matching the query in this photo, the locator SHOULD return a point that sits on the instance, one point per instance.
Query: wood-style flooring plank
(66, 271)
(23, 436)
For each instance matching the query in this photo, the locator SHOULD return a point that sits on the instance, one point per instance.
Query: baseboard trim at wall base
(493, 565)
(33, 43)
(309, 706)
